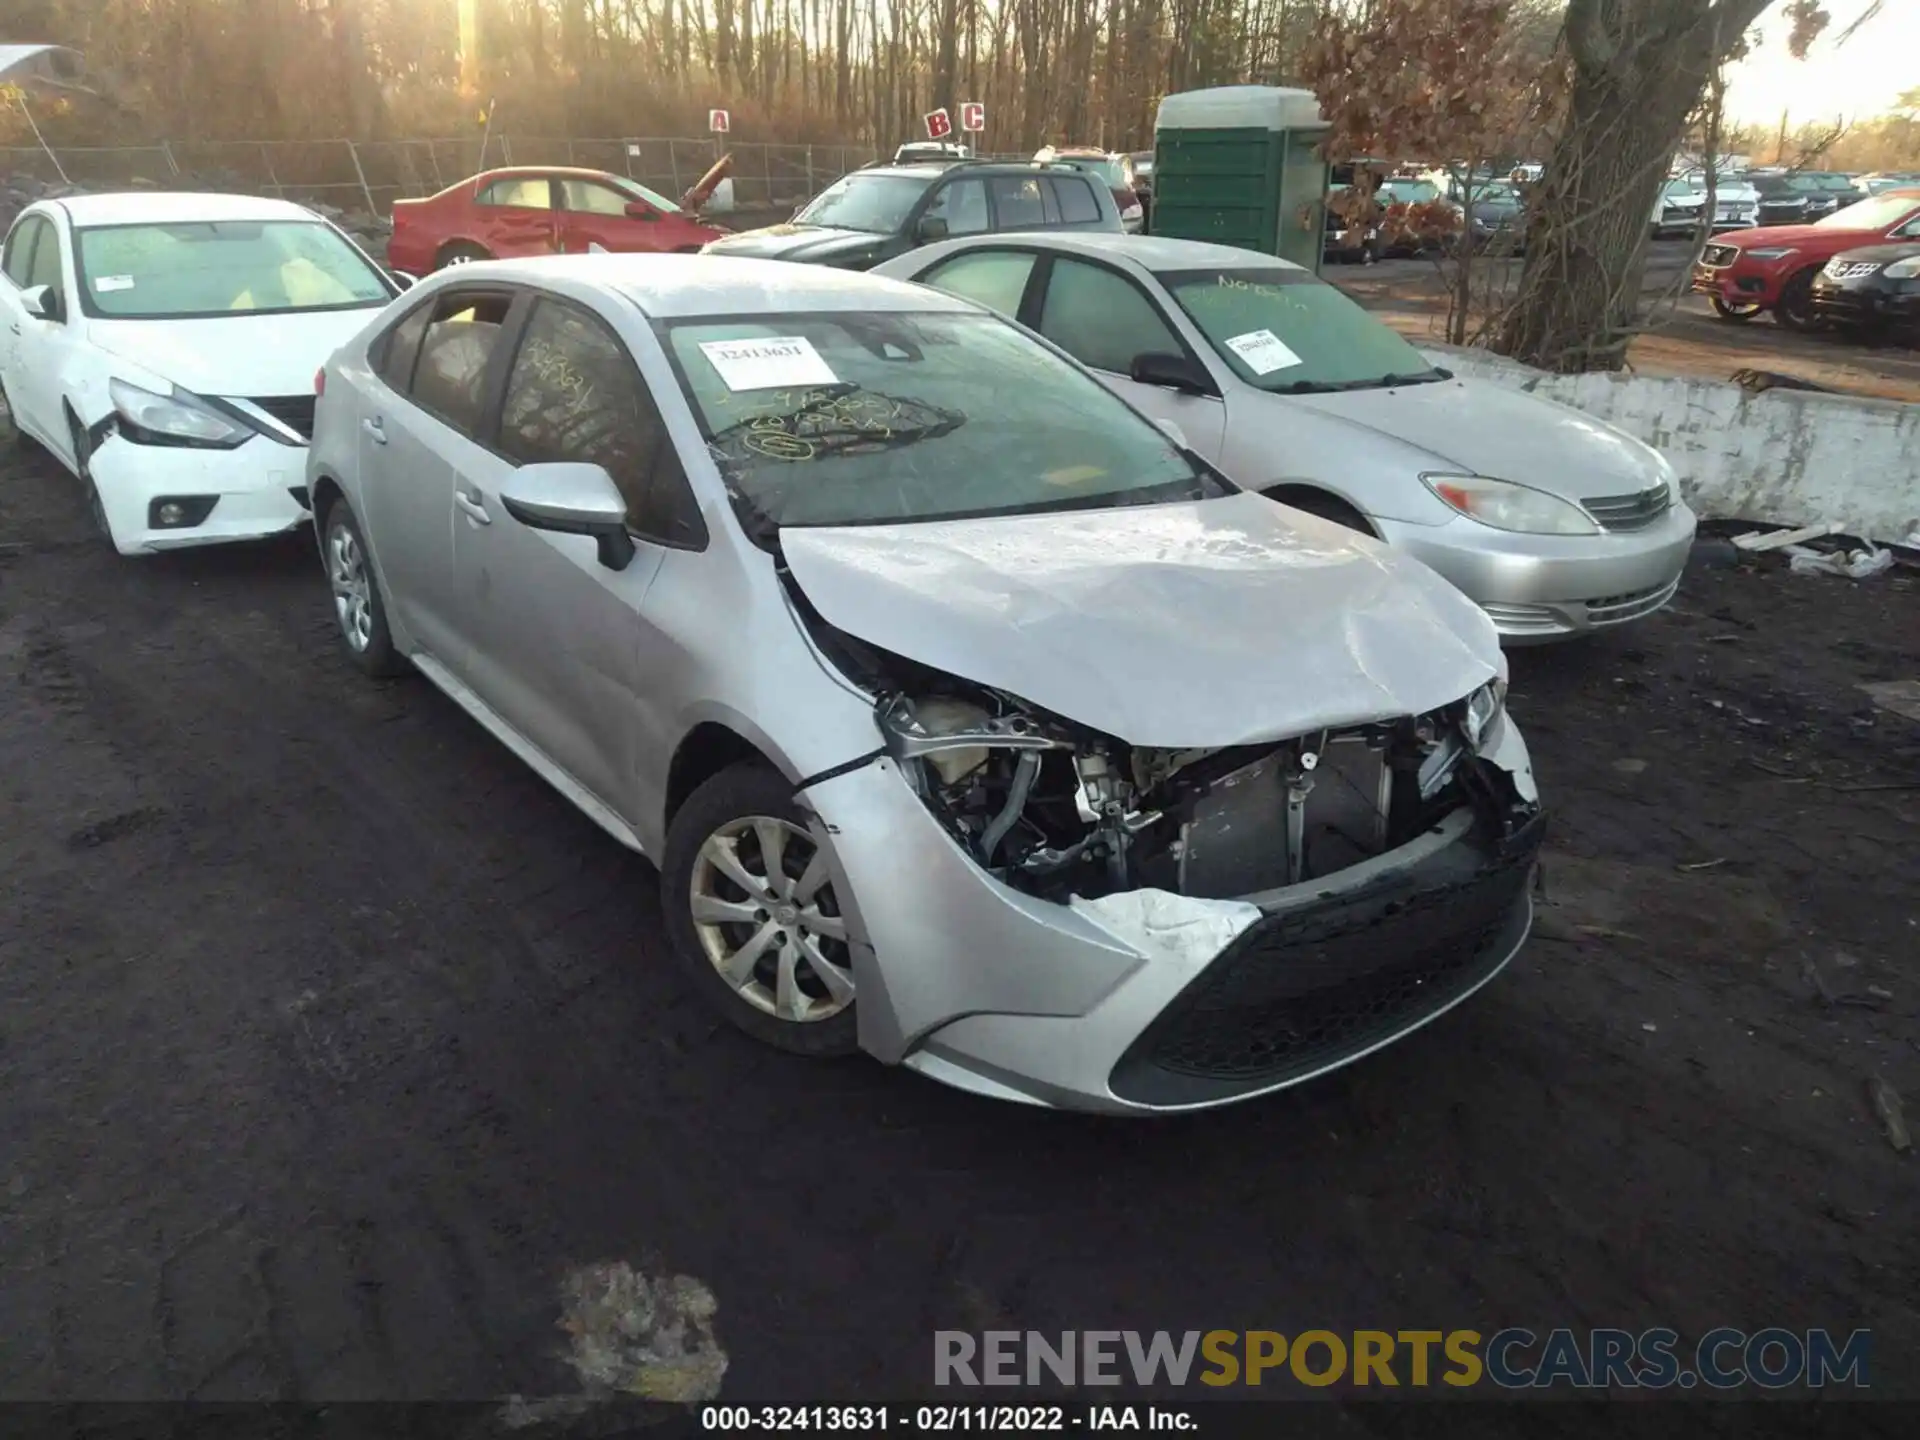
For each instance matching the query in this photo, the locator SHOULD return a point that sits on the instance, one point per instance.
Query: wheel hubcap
(768, 922)
(352, 590)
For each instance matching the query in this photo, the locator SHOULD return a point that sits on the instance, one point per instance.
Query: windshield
(859, 418)
(1679, 187)
(878, 204)
(1285, 330)
(1875, 214)
(205, 268)
(635, 190)
(1409, 192)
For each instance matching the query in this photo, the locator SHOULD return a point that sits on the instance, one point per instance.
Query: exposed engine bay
(1058, 810)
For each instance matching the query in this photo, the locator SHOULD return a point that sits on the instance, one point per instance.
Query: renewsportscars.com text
(1513, 1358)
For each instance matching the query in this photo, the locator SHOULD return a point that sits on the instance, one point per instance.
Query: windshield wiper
(1378, 382)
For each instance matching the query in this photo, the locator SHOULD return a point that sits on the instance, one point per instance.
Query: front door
(557, 644)
(420, 415)
(1104, 320)
(40, 345)
(593, 214)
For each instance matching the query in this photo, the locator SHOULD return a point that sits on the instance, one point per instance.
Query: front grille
(1630, 512)
(1719, 256)
(294, 411)
(1851, 269)
(1301, 991)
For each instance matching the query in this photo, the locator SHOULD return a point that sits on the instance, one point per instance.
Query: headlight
(1507, 506)
(1484, 708)
(1903, 269)
(176, 419)
(1771, 252)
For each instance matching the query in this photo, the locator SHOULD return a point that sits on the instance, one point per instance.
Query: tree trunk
(1639, 68)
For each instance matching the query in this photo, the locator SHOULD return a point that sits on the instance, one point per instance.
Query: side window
(574, 394)
(19, 262)
(526, 192)
(400, 347)
(44, 268)
(590, 198)
(993, 278)
(1910, 230)
(1101, 319)
(450, 378)
(1017, 202)
(1077, 205)
(963, 205)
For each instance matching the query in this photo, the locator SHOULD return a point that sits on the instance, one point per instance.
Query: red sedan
(1773, 268)
(537, 210)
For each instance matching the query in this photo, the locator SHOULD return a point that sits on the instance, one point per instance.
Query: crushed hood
(1473, 427)
(241, 355)
(1196, 625)
(817, 244)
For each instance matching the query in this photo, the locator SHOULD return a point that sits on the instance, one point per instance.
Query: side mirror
(930, 229)
(640, 210)
(1171, 372)
(41, 302)
(572, 498)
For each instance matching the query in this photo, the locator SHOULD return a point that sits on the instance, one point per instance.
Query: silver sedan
(969, 720)
(1556, 523)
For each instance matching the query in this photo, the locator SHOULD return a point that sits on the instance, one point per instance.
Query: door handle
(376, 431)
(471, 504)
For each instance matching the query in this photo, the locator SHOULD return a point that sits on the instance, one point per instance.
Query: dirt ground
(333, 1043)
(1684, 339)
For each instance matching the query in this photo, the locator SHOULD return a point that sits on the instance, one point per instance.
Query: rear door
(556, 643)
(417, 424)
(1104, 319)
(515, 216)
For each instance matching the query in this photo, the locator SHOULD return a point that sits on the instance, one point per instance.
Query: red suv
(1773, 268)
(537, 210)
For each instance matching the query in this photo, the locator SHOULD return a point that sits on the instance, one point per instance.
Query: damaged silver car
(971, 720)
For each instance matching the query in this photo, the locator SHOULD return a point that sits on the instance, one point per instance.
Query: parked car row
(1849, 267)
(1140, 600)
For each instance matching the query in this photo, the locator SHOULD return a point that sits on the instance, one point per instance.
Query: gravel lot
(332, 1043)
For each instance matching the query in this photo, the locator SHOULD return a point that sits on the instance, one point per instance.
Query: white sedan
(164, 348)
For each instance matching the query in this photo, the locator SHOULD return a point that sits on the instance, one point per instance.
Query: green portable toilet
(1241, 165)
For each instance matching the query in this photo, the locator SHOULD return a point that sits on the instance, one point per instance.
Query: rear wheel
(1738, 313)
(460, 252)
(1795, 308)
(358, 607)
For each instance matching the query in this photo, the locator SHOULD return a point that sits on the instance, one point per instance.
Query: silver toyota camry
(1557, 524)
(970, 720)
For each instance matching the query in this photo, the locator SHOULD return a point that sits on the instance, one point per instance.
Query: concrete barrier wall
(1788, 457)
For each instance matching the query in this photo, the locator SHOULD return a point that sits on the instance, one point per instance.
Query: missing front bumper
(1313, 987)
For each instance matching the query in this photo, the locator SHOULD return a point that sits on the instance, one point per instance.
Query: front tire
(1795, 308)
(1739, 314)
(83, 468)
(358, 607)
(752, 916)
(1327, 507)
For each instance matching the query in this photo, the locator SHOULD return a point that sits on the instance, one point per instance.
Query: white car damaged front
(1314, 834)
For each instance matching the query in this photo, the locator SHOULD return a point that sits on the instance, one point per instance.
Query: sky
(1857, 80)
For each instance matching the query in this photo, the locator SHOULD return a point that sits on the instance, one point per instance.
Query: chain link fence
(371, 174)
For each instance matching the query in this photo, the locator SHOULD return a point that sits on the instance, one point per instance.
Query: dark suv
(886, 210)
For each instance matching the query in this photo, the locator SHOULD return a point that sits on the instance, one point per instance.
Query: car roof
(1157, 253)
(574, 172)
(160, 207)
(667, 287)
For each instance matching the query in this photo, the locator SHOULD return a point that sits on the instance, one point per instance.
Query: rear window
(1077, 205)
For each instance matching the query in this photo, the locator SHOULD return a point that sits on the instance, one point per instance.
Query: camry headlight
(1771, 252)
(1906, 269)
(180, 418)
(1507, 506)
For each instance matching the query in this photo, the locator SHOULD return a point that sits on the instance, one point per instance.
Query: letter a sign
(939, 125)
(973, 117)
(717, 122)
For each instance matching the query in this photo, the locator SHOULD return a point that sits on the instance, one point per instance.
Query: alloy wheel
(352, 587)
(766, 918)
